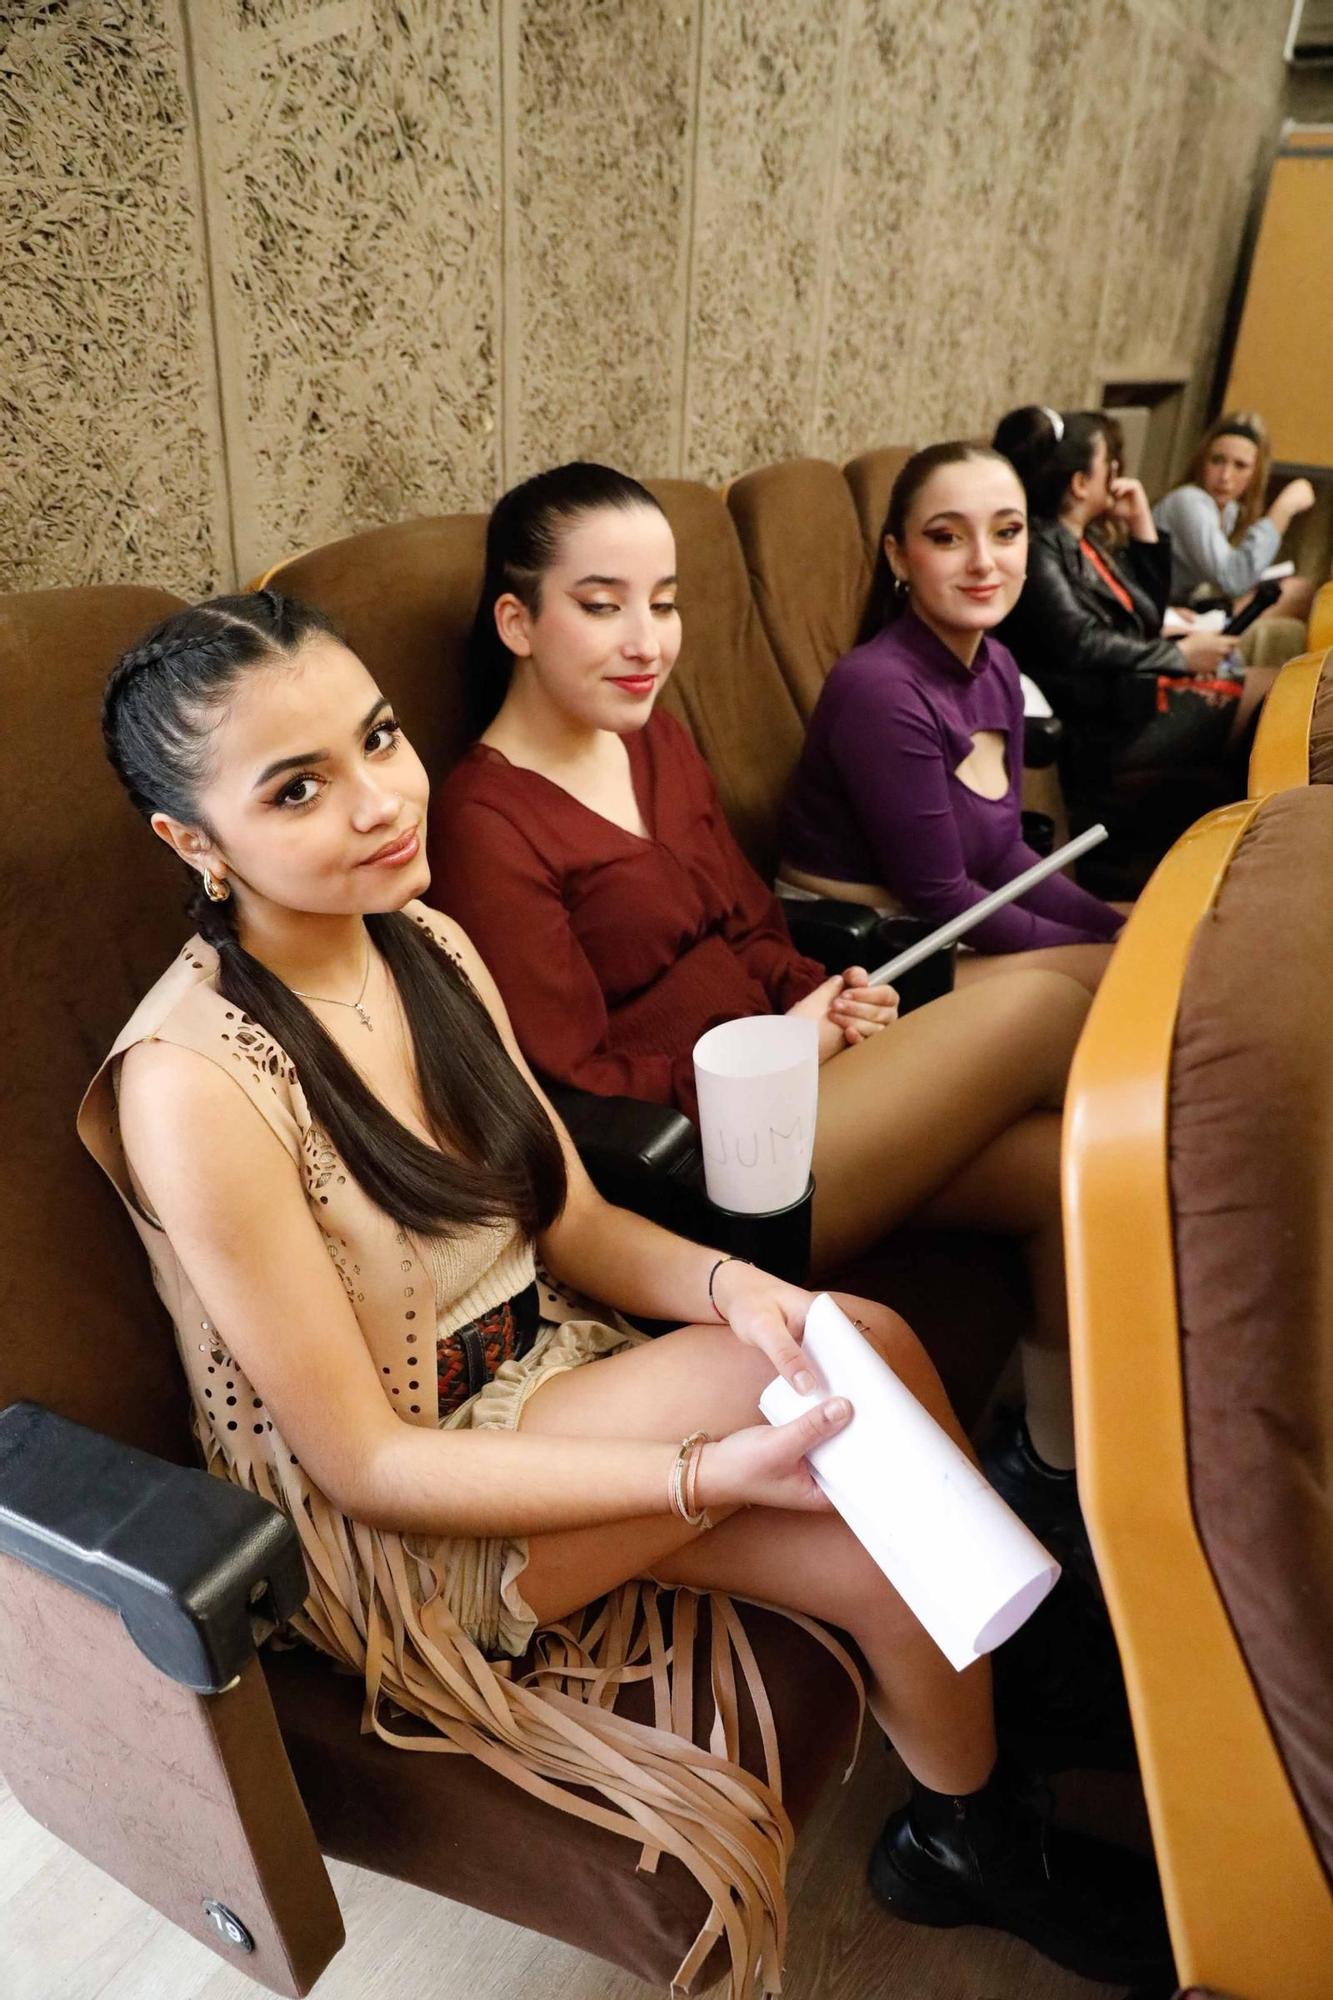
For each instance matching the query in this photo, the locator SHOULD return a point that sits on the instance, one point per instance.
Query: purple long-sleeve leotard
(876, 799)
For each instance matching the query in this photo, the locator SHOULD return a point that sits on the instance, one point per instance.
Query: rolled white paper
(957, 927)
(961, 1561)
(758, 1084)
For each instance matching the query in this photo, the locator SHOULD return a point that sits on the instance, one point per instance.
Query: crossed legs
(703, 1378)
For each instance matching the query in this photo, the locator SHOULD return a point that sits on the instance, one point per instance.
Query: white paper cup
(758, 1084)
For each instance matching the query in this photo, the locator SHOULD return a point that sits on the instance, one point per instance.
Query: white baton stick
(958, 927)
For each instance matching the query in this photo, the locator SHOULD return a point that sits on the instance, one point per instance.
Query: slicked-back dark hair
(522, 539)
(497, 1154)
(1046, 460)
(886, 601)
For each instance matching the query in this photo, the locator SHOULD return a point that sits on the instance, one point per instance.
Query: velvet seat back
(870, 478)
(91, 912)
(808, 567)
(403, 597)
(728, 686)
(1251, 1167)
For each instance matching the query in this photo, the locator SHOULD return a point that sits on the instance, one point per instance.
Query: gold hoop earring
(216, 892)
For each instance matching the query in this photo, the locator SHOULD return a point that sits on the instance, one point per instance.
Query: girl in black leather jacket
(1088, 625)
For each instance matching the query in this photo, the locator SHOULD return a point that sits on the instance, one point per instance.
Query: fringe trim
(556, 1729)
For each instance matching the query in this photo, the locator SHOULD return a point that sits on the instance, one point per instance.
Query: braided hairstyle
(497, 1154)
(887, 600)
(522, 540)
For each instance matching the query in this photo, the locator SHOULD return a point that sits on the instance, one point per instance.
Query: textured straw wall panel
(414, 249)
(873, 364)
(978, 63)
(600, 218)
(110, 461)
(352, 176)
(766, 110)
(1044, 132)
(1130, 312)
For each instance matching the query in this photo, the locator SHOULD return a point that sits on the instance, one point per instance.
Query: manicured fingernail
(837, 1411)
(804, 1381)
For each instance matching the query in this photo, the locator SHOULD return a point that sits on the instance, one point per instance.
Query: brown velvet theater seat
(1199, 1230)
(870, 476)
(807, 564)
(181, 1787)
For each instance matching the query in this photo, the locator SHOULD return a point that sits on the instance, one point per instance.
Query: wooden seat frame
(1319, 631)
(1247, 1899)
(1280, 757)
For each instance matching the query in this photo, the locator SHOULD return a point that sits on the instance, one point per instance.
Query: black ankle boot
(991, 1858)
(1041, 1495)
(1060, 1700)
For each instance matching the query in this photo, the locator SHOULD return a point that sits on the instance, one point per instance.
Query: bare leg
(969, 1107)
(1014, 1188)
(703, 1378)
(1084, 962)
(903, 1115)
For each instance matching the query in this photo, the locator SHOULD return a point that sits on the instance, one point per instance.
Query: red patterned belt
(467, 1358)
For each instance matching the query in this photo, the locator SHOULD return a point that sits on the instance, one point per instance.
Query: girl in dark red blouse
(582, 844)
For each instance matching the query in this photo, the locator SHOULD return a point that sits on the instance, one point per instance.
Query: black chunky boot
(1043, 1497)
(991, 1858)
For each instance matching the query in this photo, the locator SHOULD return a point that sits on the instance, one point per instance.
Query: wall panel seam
(1102, 364)
(221, 426)
(685, 323)
(511, 291)
(847, 20)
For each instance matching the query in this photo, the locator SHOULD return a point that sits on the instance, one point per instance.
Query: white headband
(1057, 421)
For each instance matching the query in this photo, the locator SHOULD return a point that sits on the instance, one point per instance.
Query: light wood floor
(68, 1932)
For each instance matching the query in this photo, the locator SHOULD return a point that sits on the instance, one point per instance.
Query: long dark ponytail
(887, 598)
(522, 538)
(497, 1154)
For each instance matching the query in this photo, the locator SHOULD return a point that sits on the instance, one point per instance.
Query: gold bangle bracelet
(685, 1462)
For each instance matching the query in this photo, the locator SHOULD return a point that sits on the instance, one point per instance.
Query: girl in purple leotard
(907, 792)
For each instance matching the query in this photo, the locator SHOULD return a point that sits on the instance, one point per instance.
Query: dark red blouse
(613, 953)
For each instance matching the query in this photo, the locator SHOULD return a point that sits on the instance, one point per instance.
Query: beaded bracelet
(684, 1477)
(713, 1273)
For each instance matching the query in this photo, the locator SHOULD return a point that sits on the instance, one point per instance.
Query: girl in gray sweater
(1221, 539)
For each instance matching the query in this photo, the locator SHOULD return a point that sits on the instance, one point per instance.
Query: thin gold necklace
(324, 1000)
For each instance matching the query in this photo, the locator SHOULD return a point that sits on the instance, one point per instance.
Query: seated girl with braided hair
(343, 1173)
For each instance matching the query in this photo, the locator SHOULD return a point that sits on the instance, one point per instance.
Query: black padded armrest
(1041, 741)
(623, 1135)
(640, 1156)
(180, 1555)
(837, 933)
(840, 934)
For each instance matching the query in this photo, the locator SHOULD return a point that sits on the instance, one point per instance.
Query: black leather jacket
(1096, 662)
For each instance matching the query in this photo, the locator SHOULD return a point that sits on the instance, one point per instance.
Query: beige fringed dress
(435, 1626)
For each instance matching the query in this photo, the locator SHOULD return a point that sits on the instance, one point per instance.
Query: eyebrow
(617, 582)
(952, 514)
(305, 757)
